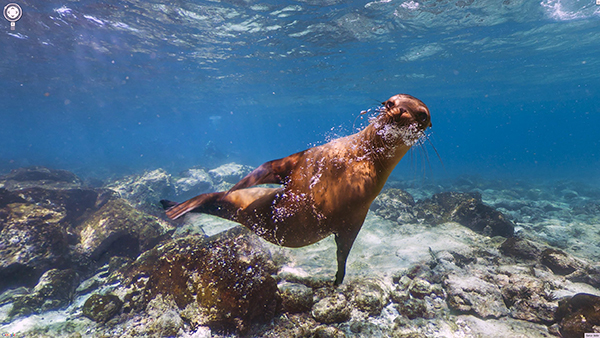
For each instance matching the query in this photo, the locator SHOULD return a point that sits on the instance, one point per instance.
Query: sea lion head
(405, 110)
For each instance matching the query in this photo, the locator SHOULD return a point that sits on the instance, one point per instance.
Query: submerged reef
(468, 259)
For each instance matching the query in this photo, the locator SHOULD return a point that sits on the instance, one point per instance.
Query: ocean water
(117, 87)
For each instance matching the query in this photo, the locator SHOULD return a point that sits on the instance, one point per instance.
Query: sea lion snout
(406, 110)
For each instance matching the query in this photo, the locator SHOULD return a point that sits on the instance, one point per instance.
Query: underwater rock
(529, 299)
(578, 315)
(324, 331)
(295, 325)
(332, 309)
(520, 248)
(396, 205)
(466, 209)
(101, 308)
(223, 281)
(76, 203)
(193, 181)
(470, 294)
(145, 190)
(164, 317)
(41, 177)
(413, 308)
(295, 297)
(419, 288)
(54, 290)
(117, 229)
(368, 295)
(32, 240)
(230, 173)
(559, 261)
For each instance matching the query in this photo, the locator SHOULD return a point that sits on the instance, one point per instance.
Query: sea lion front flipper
(274, 172)
(344, 243)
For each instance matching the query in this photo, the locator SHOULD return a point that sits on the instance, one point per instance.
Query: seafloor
(469, 258)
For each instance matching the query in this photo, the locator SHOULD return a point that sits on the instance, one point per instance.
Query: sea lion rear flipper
(175, 210)
(275, 172)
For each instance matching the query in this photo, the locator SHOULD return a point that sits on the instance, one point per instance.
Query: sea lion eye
(389, 104)
(423, 117)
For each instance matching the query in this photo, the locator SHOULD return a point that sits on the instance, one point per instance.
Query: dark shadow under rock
(7, 197)
(466, 209)
(578, 315)
(223, 281)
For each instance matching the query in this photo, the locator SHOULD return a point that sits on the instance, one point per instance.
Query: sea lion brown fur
(325, 190)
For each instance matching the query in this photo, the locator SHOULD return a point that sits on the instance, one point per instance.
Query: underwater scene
(309, 168)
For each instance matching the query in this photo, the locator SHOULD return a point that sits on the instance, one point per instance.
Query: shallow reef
(473, 258)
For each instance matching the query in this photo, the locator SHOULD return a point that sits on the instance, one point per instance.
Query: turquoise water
(116, 87)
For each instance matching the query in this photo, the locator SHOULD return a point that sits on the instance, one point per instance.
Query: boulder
(54, 290)
(41, 177)
(101, 308)
(578, 315)
(32, 240)
(470, 294)
(118, 229)
(223, 281)
(466, 209)
(396, 205)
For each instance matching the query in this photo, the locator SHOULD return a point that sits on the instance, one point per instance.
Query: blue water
(117, 87)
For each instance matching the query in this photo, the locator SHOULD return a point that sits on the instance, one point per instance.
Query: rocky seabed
(475, 258)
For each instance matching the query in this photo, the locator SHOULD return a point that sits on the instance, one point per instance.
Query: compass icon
(12, 13)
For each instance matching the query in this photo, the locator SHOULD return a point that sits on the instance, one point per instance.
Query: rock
(368, 295)
(295, 297)
(229, 173)
(146, 190)
(223, 281)
(77, 204)
(54, 290)
(295, 325)
(559, 262)
(333, 309)
(117, 229)
(419, 288)
(32, 240)
(396, 205)
(578, 315)
(164, 318)
(324, 331)
(42, 177)
(466, 209)
(101, 308)
(520, 248)
(528, 299)
(470, 294)
(413, 308)
(193, 182)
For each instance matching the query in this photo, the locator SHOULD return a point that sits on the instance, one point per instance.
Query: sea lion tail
(196, 204)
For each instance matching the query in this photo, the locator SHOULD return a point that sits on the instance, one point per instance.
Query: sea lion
(324, 190)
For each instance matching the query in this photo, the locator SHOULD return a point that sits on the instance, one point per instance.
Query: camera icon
(12, 13)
